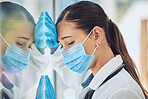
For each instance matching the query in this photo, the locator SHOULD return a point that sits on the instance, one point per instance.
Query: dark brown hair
(11, 13)
(88, 15)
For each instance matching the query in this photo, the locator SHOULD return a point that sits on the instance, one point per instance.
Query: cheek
(3, 46)
(89, 46)
(9, 39)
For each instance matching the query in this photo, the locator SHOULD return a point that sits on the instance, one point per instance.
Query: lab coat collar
(105, 71)
(87, 81)
(5, 80)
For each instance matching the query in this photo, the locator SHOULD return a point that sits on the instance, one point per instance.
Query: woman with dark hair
(91, 41)
(18, 68)
(17, 30)
(16, 35)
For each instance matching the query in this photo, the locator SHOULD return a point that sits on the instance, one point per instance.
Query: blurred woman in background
(17, 31)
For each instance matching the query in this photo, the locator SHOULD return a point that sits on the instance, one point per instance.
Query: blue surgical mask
(15, 59)
(76, 59)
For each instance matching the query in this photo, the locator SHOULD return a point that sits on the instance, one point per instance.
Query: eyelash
(19, 44)
(71, 43)
(30, 47)
(68, 44)
(22, 45)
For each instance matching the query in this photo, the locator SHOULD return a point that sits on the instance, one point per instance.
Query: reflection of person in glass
(17, 30)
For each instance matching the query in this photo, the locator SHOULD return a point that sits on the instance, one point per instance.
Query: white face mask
(15, 59)
(76, 59)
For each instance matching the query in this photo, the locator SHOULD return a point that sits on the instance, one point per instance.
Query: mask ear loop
(95, 49)
(4, 39)
(87, 37)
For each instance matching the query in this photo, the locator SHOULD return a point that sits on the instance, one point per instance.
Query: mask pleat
(15, 59)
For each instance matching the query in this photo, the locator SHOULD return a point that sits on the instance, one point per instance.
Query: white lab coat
(38, 64)
(33, 71)
(70, 78)
(121, 86)
(6, 91)
(12, 93)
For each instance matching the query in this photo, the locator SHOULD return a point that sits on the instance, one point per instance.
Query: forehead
(65, 28)
(24, 29)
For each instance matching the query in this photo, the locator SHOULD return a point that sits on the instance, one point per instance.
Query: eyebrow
(26, 39)
(65, 38)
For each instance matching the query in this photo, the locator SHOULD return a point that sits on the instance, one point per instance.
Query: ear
(98, 34)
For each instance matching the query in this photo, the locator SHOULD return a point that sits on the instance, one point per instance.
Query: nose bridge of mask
(4, 39)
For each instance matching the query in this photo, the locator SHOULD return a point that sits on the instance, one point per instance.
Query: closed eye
(71, 43)
(68, 44)
(30, 47)
(19, 44)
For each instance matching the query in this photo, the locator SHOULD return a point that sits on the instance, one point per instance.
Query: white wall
(110, 8)
(130, 26)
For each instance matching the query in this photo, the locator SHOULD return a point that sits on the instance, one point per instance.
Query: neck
(101, 59)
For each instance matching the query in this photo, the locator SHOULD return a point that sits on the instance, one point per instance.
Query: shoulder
(125, 93)
(121, 86)
(124, 80)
